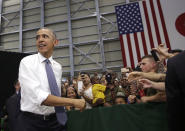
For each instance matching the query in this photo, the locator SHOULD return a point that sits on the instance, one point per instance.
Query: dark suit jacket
(13, 109)
(175, 90)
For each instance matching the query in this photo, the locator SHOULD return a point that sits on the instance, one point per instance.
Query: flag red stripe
(137, 47)
(163, 25)
(123, 51)
(144, 43)
(155, 22)
(148, 24)
(130, 51)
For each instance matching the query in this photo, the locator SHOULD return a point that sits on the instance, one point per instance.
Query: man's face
(147, 65)
(45, 42)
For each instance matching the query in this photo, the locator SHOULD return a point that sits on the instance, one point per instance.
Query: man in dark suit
(175, 90)
(13, 107)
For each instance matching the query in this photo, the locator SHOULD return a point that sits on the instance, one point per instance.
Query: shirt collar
(42, 58)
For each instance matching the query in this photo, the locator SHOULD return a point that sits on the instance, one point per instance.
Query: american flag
(141, 27)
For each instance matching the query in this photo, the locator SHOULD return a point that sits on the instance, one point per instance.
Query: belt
(38, 116)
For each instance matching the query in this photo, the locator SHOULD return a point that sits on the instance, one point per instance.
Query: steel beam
(1, 6)
(100, 34)
(20, 26)
(70, 39)
(42, 21)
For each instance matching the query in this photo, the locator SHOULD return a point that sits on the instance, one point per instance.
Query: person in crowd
(86, 92)
(13, 107)
(75, 84)
(64, 87)
(40, 80)
(111, 90)
(136, 92)
(120, 98)
(98, 93)
(95, 79)
(148, 66)
(71, 93)
(175, 90)
(124, 80)
(125, 86)
(4, 125)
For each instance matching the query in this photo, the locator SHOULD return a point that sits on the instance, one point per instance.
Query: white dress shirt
(34, 83)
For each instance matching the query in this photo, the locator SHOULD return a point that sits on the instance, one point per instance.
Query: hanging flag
(141, 27)
(174, 14)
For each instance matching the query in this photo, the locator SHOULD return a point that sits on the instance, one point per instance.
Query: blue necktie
(60, 112)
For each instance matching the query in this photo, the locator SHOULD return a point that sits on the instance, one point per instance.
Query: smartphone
(154, 54)
(80, 86)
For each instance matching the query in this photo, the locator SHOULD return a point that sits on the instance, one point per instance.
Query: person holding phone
(85, 89)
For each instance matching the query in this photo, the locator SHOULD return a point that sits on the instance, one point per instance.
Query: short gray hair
(53, 33)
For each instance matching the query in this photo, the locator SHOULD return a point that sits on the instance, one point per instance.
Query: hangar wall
(86, 29)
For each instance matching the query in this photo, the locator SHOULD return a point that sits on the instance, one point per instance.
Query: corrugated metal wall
(86, 29)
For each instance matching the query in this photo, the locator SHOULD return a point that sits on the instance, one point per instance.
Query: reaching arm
(59, 101)
(151, 76)
(159, 97)
(151, 84)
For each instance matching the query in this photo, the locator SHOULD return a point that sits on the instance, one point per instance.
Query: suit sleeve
(174, 96)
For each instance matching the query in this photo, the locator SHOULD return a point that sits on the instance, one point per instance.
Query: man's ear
(56, 42)
(154, 65)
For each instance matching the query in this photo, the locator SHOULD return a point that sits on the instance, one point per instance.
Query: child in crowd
(98, 93)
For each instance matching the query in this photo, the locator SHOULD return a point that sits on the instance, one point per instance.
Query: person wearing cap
(120, 98)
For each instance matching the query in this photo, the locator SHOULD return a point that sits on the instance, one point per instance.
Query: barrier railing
(136, 117)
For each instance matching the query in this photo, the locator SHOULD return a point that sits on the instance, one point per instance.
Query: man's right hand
(79, 103)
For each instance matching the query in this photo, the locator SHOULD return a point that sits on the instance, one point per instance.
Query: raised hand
(162, 51)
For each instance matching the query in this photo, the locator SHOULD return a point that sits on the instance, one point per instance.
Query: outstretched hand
(134, 75)
(146, 83)
(79, 103)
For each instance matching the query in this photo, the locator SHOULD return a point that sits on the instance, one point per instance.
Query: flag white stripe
(126, 50)
(159, 23)
(141, 49)
(145, 27)
(133, 48)
(151, 23)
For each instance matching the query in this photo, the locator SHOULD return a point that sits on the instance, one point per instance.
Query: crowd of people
(145, 83)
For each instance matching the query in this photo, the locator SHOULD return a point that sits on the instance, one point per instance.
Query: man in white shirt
(37, 102)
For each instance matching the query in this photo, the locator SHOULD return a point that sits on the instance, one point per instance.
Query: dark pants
(32, 122)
